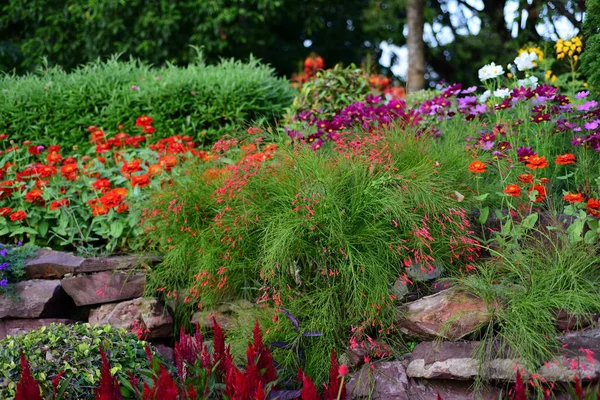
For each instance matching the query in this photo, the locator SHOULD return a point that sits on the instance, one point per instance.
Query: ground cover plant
(201, 370)
(12, 264)
(204, 101)
(69, 200)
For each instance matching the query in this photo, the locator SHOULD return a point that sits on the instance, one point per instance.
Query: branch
(560, 7)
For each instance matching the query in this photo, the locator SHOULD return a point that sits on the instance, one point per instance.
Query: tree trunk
(415, 15)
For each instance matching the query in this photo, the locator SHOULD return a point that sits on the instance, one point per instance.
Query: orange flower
(513, 190)
(168, 162)
(130, 167)
(120, 191)
(97, 136)
(18, 216)
(477, 167)
(537, 162)
(573, 197)
(34, 196)
(122, 208)
(69, 171)
(154, 170)
(101, 184)
(53, 158)
(541, 193)
(593, 207)
(544, 180)
(140, 180)
(565, 159)
(97, 208)
(57, 204)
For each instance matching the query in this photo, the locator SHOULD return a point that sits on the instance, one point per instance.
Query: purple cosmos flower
(523, 153)
(486, 145)
(587, 106)
(591, 126)
(373, 99)
(294, 134)
(577, 141)
(469, 90)
(582, 95)
(464, 102)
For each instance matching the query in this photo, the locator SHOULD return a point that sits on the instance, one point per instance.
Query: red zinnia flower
(97, 137)
(541, 195)
(144, 121)
(33, 196)
(140, 180)
(148, 129)
(168, 162)
(18, 216)
(513, 190)
(593, 207)
(53, 158)
(57, 204)
(101, 184)
(565, 159)
(537, 162)
(4, 211)
(573, 197)
(477, 167)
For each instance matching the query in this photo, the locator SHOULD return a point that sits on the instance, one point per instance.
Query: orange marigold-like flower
(60, 203)
(120, 191)
(593, 207)
(154, 170)
(168, 162)
(477, 167)
(565, 159)
(101, 184)
(513, 190)
(18, 216)
(124, 207)
(541, 192)
(69, 171)
(573, 197)
(97, 208)
(97, 137)
(130, 167)
(34, 196)
(140, 180)
(53, 158)
(537, 162)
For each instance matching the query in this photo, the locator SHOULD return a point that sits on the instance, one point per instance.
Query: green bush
(322, 234)
(202, 100)
(74, 349)
(590, 62)
(332, 90)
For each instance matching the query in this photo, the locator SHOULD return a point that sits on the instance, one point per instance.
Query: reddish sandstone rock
(146, 313)
(104, 287)
(50, 264)
(34, 298)
(11, 327)
(449, 314)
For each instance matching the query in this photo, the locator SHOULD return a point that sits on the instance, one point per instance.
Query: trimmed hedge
(204, 101)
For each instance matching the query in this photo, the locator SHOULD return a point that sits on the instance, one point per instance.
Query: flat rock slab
(11, 327)
(389, 381)
(579, 355)
(104, 287)
(50, 264)
(144, 313)
(34, 298)
(449, 314)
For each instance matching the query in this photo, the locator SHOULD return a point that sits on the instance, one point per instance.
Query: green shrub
(332, 90)
(202, 100)
(531, 284)
(74, 349)
(590, 63)
(323, 234)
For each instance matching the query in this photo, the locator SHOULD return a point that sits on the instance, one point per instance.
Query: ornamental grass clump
(321, 235)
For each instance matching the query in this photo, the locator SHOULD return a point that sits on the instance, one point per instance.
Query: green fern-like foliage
(590, 59)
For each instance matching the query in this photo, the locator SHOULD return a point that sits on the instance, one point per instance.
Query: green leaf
(483, 215)
(43, 228)
(482, 197)
(529, 222)
(116, 229)
(591, 237)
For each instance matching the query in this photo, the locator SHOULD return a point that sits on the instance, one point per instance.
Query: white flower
(490, 71)
(502, 93)
(483, 98)
(526, 61)
(531, 82)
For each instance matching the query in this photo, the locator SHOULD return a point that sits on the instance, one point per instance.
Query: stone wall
(64, 288)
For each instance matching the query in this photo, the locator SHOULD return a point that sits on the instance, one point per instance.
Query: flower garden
(306, 254)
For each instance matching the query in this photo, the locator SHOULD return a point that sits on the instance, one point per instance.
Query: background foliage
(53, 106)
